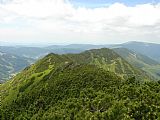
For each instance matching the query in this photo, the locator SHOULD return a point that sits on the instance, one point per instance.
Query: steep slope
(10, 64)
(140, 61)
(78, 87)
(102, 58)
(52, 89)
(149, 49)
(109, 61)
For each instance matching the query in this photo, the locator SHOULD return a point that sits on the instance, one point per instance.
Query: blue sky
(99, 3)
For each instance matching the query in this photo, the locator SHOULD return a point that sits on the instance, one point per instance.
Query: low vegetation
(80, 87)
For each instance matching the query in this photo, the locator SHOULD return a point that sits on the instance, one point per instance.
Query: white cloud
(60, 21)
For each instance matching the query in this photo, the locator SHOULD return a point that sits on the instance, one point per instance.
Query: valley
(10, 64)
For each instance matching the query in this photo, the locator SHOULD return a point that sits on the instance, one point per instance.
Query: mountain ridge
(140, 61)
(39, 52)
(68, 87)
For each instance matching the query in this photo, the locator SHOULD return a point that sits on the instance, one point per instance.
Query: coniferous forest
(96, 84)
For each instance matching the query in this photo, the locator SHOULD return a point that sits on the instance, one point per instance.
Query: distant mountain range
(144, 56)
(11, 64)
(149, 49)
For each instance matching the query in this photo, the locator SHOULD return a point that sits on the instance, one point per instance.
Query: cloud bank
(59, 21)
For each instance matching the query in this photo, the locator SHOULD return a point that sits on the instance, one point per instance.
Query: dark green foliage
(79, 87)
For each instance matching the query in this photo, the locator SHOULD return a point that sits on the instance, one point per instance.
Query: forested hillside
(135, 55)
(149, 49)
(95, 84)
(140, 61)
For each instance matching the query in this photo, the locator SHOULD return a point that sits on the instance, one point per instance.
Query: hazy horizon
(63, 44)
(61, 22)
